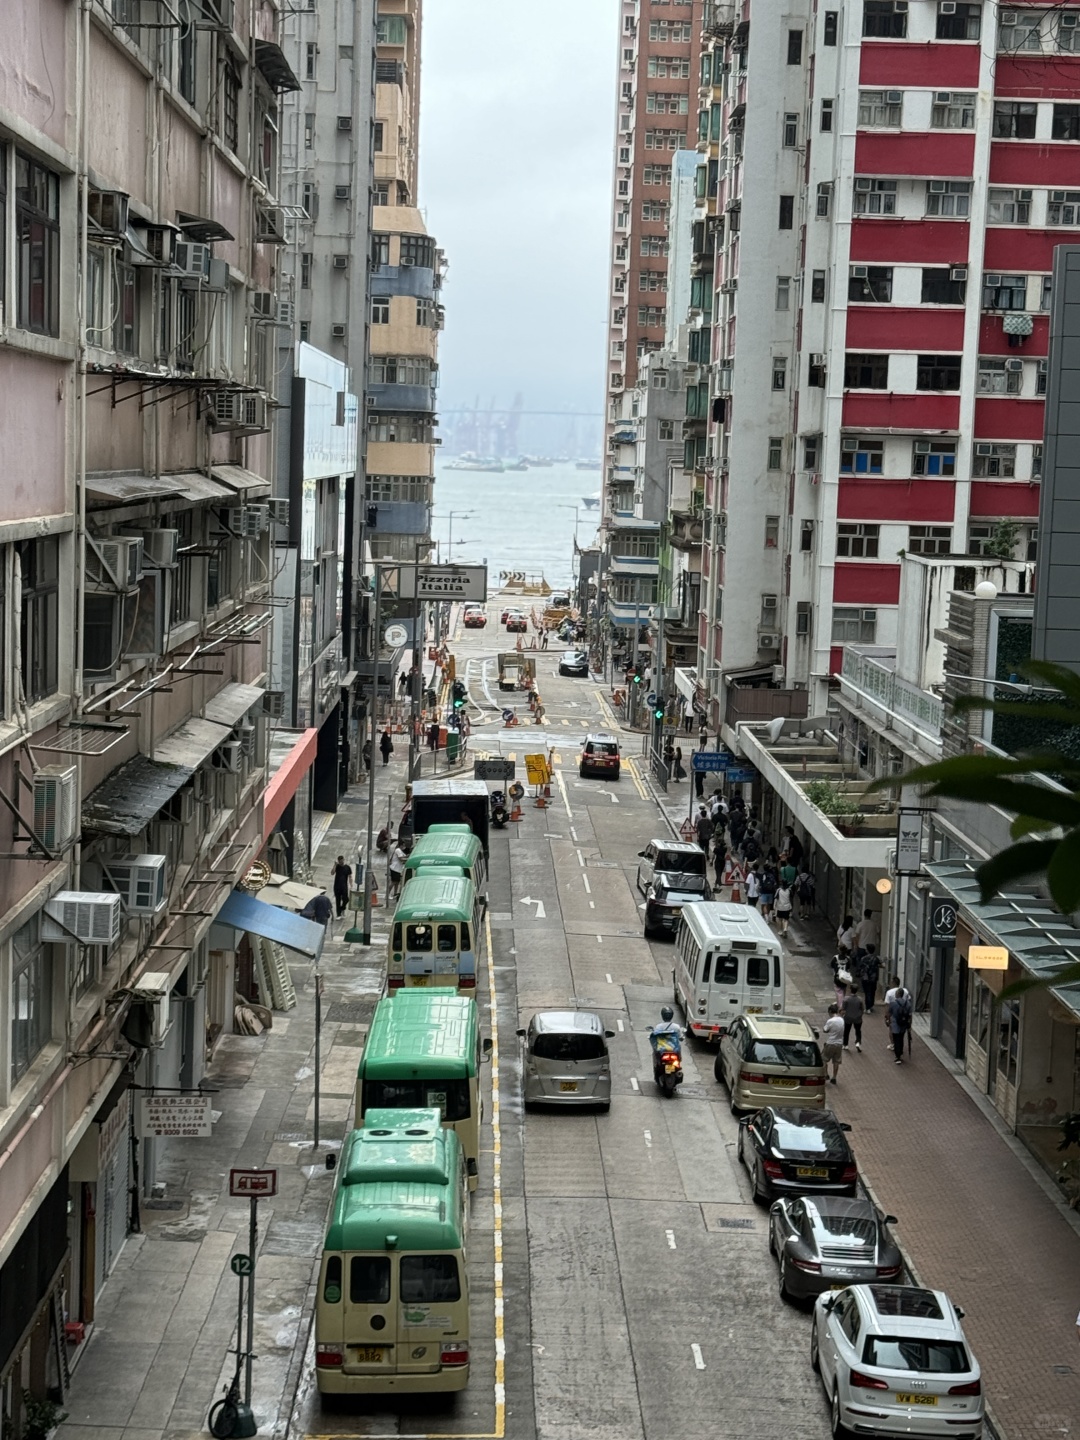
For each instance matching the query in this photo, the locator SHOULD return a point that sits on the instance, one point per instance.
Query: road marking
(633, 1084)
(496, 1165)
(609, 979)
(614, 799)
(581, 859)
(648, 1139)
(565, 798)
(573, 834)
(620, 1025)
(671, 1239)
(566, 722)
(632, 767)
(585, 882)
(541, 913)
(699, 1359)
(608, 716)
(592, 904)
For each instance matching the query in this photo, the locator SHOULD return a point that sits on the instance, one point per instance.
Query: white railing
(885, 688)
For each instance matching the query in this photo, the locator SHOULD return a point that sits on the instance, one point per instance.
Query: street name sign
(710, 760)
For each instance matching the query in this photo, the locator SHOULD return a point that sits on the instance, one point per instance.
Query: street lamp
(461, 515)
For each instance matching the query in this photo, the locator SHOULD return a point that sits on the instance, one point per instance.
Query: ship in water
(591, 502)
(488, 464)
(588, 464)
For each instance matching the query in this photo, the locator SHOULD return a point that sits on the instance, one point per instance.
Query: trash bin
(453, 743)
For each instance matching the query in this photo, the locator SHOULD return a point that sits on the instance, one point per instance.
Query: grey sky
(517, 127)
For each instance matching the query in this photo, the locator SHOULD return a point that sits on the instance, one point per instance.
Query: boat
(591, 501)
(588, 464)
(515, 465)
(538, 462)
(485, 464)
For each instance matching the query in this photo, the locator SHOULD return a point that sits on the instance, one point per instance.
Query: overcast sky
(517, 128)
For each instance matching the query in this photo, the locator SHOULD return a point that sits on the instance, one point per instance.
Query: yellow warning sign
(537, 769)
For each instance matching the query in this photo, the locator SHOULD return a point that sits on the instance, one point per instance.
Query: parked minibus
(435, 934)
(458, 851)
(728, 962)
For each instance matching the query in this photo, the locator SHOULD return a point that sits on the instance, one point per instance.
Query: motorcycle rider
(667, 1027)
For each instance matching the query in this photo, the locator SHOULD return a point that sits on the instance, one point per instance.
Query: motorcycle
(499, 813)
(667, 1062)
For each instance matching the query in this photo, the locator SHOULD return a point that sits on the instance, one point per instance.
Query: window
(787, 212)
(345, 52)
(230, 106)
(934, 457)
(431, 1279)
(938, 372)
(857, 541)
(390, 30)
(804, 611)
(664, 139)
(791, 130)
(414, 489)
(943, 287)
(37, 239)
(811, 454)
(885, 19)
(776, 452)
(768, 612)
(866, 372)
(1036, 461)
(1022, 33)
(652, 280)
(1040, 378)
(369, 1280)
(957, 112)
(380, 310)
(853, 626)
(218, 581)
(948, 197)
(772, 532)
(874, 197)
(97, 270)
(870, 284)
(656, 175)
(31, 997)
(827, 115)
(998, 376)
(427, 315)
(3, 222)
(380, 192)
(400, 370)
(667, 67)
(1046, 292)
(306, 259)
(651, 315)
(962, 20)
(929, 539)
(660, 102)
(377, 136)
(783, 292)
(860, 456)
(655, 210)
(1066, 123)
(1067, 34)
(806, 537)
(779, 372)
(187, 322)
(311, 55)
(380, 250)
(824, 196)
(126, 323)
(659, 379)
(1009, 207)
(815, 371)
(665, 430)
(305, 330)
(1004, 292)
(639, 547)
(1014, 120)
(1063, 208)
(878, 108)
(830, 27)
(418, 250)
(671, 32)
(794, 47)
(817, 287)
(992, 462)
(39, 632)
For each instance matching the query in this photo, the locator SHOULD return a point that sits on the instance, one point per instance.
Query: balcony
(624, 435)
(868, 676)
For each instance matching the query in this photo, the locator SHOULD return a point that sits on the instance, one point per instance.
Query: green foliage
(831, 800)
(1002, 543)
(41, 1416)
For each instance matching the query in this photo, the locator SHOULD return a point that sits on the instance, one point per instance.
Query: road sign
(537, 770)
(241, 1265)
(942, 923)
(253, 1184)
(395, 636)
(443, 582)
(650, 699)
(710, 760)
(741, 775)
(185, 1117)
(494, 769)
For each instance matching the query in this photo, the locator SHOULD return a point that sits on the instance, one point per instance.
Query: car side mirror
(817, 1032)
(641, 854)
(959, 1311)
(331, 1160)
(890, 1220)
(829, 1303)
(609, 1034)
(520, 1033)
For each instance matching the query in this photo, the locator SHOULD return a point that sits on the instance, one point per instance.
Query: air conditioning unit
(246, 735)
(161, 241)
(1067, 21)
(278, 511)
(1008, 18)
(140, 882)
(371, 401)
(191, 258)
(344, 122)
(993, 281)
(286, 312)
(947, 7)
(894, 97)
(984, 449)
(817, 361)
(81, 917)
(958, 272)
(341, 262)
(153, 991)
(246, 520)
(269, 225)
(1016, 366)
(217, 277)
(229, 756)
(922, 447)
(274, 704)
(767, 640)
(238, 410)
(870, 616)
(257, 515)
(863, 182)
(108, 210)
(117, 561)
(938, 187)
(342, 192)
(942, 97)
(161, 546)
(900, 7)
(56, 806)
(339, 331)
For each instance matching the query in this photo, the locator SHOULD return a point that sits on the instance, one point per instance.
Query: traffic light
(659, 709)
(459, 694)
(637, 675)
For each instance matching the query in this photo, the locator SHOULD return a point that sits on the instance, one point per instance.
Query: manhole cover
(351, 1012)
(737, 1224)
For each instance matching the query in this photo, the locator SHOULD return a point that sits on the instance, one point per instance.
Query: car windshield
(909, 1352)
(602, 747)
(848, 1229)
(568, 1047)
(785, 1052)
(686, 883)
(681, 862)
(809, 1139)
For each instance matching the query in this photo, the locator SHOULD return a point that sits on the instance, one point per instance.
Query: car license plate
(567, 1084)
(902, 1399)
(811, 1172)
(784, 1083)
(754, 1009)
(369, 1354)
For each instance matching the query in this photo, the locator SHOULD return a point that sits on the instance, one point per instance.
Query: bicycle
(225, 1413)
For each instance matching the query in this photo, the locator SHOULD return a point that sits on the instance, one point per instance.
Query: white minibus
(728, 962)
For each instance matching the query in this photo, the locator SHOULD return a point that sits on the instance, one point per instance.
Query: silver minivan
(565, 1059)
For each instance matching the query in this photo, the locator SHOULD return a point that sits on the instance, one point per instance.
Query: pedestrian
(842, 976)
(804, 888)
(768, 890)
(852, 1009)
(669, 754)
(704, 828)
(889, 997)
(342, 878)
(319, 909)
(382, 840)
(899, 1021)
(751, 849)
(403, 682)
(544, 639)
(753, 886)
(680, 771)
(788, 873)
(397, 869)
(871, 969)
(703, 739)
(386, 746)
(433, 735)
(688, 717)
(792, 844)
(867, 932)
(845, 936)
(719, 859)
(782, 902)
(833, 1038)
(699, 783)
(365, 753)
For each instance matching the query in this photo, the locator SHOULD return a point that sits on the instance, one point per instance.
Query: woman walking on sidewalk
(386, 746)
(782, 911)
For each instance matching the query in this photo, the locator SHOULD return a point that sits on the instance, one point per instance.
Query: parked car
(665, 898)
(669, 857)
(799, 1150)
(894, 1360)
(600, 756)
(823, 1242)
(565, 1059)
(771, 1060)
(516, 622)
(574, 662)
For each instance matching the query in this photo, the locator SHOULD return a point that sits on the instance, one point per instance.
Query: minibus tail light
(466, 982)
(328, 1357)
(454, 1354)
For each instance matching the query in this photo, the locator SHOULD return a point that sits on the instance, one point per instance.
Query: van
(670, 858)
(771, 1060)
(727, 963)
(565, 1059)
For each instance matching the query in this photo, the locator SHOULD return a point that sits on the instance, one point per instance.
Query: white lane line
(633, 1084)
(585, 882)
(614, 799)
(609, 980)
(671, 1239)
(620, 1025)
(581, 859)
(699, 1359)
(599, 939)
(565, 798)
(648, 1139)
(566, 722)
(573, 834)
(592, 904)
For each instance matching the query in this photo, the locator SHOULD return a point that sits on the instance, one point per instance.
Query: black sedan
(574, 662)
(824, 1242)
(666, 896)
(797, 1151)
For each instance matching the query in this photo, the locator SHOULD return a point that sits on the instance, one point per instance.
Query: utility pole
(365, 934)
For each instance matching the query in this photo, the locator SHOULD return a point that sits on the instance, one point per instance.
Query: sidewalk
(157, 1356)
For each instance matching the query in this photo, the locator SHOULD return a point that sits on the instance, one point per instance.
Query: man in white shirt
(753, 888)
(833, 1042)
(867, 932)
(890, 996)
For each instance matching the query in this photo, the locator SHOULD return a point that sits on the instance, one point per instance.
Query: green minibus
(435, 934)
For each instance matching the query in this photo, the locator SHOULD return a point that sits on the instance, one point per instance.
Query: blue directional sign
(710, 760)
(741, 775)
(650, 699)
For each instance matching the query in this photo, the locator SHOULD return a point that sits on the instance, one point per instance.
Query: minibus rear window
(369, 1279)
(396, 939)
(466, 938)
(776, 971)
(569, 1047)
(447, 938)
(418, 937)
(451, 1097)
(727, 970)
(428, 1279)
(757, 969)
(332, 1283)
(705, 972)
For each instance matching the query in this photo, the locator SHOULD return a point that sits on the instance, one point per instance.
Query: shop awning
(238, 478)
(232, 703)
(244, 912)
(194, 742)
(129, 489)
(128, 800)
(289, 766)
(287, 894)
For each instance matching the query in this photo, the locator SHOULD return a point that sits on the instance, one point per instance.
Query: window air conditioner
(139, 881)
(947, 7)
(900, 7)
(274, 704)
(1008, 18)
(817, 360)
(342, 192)
(286, 312)
(108, 210)
(1068, 22)
(153, 992)
(992, 280)
(984, 449)
(56, 803)
(942, 97)
(161, 241)
(859, 272)
(870, 616)
(938, 187)
(922, 447)
(958, 272)
(228, 756)
(191, 258)
(161, 546)
(116, 561)
(767, 640)
(81, 917)
(278, 511)
(372, 401)
(257, 515)
(341, 262)
(217, 277)
(1014, 365)
(246, 735)
(247, 520)
(235, 410)
(344, 122)
(338, 331)
(863, 182)
(894, 97)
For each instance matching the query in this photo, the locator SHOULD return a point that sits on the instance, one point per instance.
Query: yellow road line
(636, 778)
(604, 710)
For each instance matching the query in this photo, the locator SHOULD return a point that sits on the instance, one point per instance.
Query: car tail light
(811, 1265)
(394, 982)
(773, 1169)
(466, 982)
(328, 1357)
(973, 1387)
(849, 1174)
(886, 1272)
(753, 1078)
(454, 1354)
(812, 1080)
(866, 1382)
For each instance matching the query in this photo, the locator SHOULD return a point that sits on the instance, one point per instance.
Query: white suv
(894, 1361)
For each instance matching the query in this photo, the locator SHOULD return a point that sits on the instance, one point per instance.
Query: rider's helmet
(667, 1013)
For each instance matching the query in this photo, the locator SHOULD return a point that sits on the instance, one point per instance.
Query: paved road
(638, 1296)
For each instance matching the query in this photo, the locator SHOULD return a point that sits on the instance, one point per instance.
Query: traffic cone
(515, 813)
(541, 801)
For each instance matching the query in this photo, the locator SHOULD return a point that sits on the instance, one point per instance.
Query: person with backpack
(871, 969)
(753, 886)
(899, 1021)
(804, 888)
(782, 907)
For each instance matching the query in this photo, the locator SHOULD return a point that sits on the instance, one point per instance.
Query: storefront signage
(253, 1184)
(942, 922)
(909, 833)
(443, 582)
(183, 1117)
(987, 957)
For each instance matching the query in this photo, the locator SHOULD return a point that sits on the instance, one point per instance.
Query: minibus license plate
(754, 1009)
(567, 1084)
(369, 1354)
(811, 1172)
(419, 980)
(915, 1399)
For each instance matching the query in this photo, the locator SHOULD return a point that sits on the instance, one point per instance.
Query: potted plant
(40, 1417)
(836, 804)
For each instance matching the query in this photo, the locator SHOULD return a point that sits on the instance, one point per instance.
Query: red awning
(286, 779)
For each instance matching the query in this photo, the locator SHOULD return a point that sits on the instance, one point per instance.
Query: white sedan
(894, 1361)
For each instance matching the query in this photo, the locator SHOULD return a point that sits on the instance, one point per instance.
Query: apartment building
(139, 229)
(883, 395)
